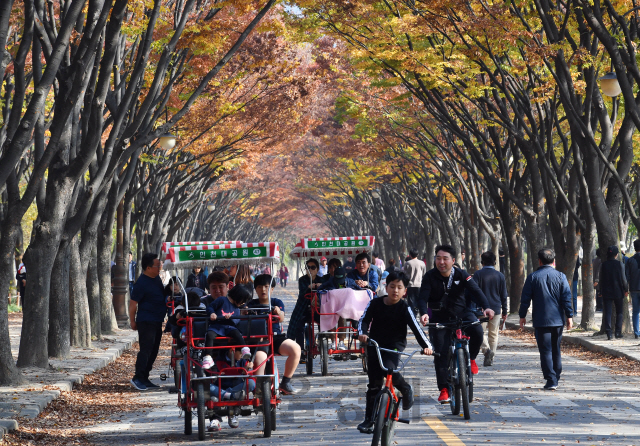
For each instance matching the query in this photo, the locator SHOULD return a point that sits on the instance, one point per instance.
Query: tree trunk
(93, 293)
(39, 259)
(59, 322)
(516, 262)
(108, 322)
(79, 301)
(9, 373)
(587, 322)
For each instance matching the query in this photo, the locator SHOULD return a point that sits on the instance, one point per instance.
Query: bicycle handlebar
(372, 343)
(457, 324)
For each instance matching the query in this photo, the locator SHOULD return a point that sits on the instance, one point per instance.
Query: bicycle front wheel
(379, 417)
(464, 383)
(454, 386)
(389, 428)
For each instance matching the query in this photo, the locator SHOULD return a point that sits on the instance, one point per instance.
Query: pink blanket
(348, 303)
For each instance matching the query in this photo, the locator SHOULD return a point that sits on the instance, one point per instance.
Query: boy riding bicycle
(385, 320)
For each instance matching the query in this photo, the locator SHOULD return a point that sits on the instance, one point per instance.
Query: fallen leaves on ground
(104, 396)
(618, 365)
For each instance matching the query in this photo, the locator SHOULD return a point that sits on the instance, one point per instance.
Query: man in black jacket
(494, 287)
(632, 270)
(613, 284)
(442, 298)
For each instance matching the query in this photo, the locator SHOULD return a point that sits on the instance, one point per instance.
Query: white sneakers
(214, 426)
(207, 362)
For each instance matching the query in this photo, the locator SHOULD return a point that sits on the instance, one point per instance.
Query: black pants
(149, 337)
(413, 294)
(548, 339)
(235, 335)
(607, 312)
(441, 341)
(377, 376)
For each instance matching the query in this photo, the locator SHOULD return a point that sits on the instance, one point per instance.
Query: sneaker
(246, 353)
(341, 346)
(407, 399)
(488, 358)
(287, 389)
(366, 427)
(444, 397)
(474, 367)
(550, 386)
(214, 426)
(207, 362)
(233, 421)
(150, 385)
(238, 396)
(135, 382)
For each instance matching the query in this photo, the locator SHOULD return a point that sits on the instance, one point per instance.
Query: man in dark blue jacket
(632, 271)
(548, 290)
(363, 277)
(494, 287)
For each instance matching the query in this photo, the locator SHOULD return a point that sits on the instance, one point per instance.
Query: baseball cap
(339, 276)
(612, 250)
(323, 258)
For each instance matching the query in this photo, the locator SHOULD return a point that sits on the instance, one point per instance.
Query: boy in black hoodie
(385, 321)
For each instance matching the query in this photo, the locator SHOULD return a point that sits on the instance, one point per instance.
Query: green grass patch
(13, 308)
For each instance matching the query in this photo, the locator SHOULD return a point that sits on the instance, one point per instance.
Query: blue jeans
(236, 388)
(574, 294)
(635, 312)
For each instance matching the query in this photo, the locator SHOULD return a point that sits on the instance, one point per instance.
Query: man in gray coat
(548, 290)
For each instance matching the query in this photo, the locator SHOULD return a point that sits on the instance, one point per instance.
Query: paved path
(44, 385)
(591, 407)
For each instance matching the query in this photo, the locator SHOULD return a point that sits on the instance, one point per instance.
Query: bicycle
(387, 403)
(460, 376)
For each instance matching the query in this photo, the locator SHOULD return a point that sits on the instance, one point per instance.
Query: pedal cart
(194, 381)
(317, 344)
(171, 305)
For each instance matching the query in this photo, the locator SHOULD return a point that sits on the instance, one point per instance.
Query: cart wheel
(273, 418)
(324, 353)
(309, 350)
(365, 360)
(187, 421)
(201, 411)
(177, 376)
(266, 407)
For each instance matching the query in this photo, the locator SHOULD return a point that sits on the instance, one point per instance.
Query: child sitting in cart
(221, 312)
(179, 313)
(264, 284)
(385, 320)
